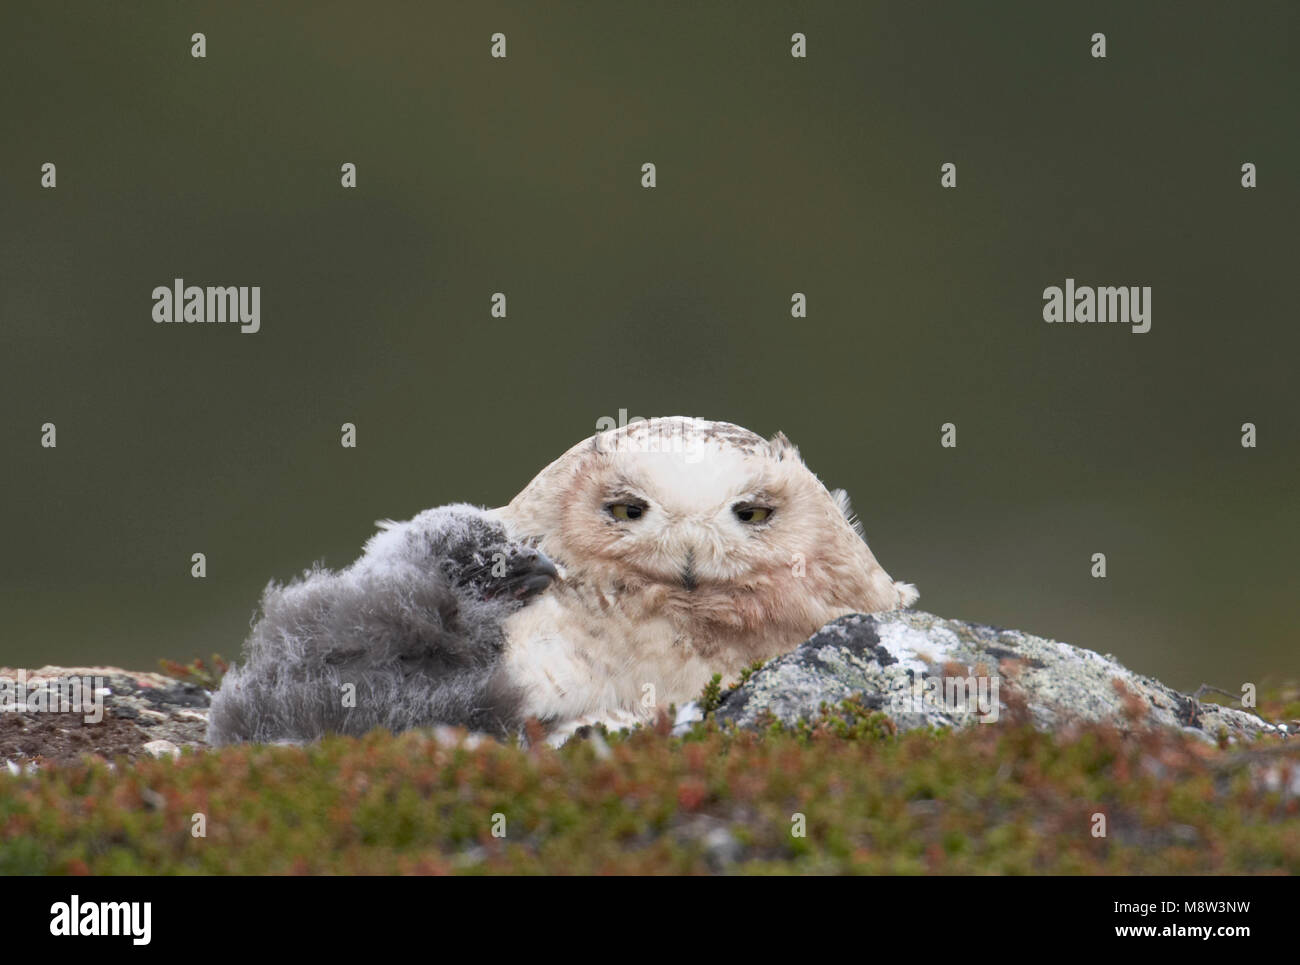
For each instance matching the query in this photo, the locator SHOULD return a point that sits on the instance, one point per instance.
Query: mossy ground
(994, 799)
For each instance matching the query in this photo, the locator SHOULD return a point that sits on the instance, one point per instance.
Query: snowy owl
(687, 548)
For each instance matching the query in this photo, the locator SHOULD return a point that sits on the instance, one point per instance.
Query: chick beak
(529, 574)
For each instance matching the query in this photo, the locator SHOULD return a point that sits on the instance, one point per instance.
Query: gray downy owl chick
(415, 627)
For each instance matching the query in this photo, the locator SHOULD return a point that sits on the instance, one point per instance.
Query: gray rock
(879, 658)
(139, 713)
(923, 670)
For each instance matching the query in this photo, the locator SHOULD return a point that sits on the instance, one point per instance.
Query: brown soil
(64, 738)
(138, 707)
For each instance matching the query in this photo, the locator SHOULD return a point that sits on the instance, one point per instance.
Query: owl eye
(751, 514)
(625, 510)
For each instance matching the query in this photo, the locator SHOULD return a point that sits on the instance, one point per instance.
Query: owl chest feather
(583, 650)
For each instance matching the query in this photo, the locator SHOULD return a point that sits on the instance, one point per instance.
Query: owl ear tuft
(779, 447)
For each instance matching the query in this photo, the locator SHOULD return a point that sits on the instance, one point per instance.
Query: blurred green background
(776, 175)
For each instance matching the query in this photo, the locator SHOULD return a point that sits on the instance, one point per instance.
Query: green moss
(748, 672)
(711, 696)
(995, 798)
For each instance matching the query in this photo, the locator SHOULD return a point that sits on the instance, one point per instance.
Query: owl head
(711, 518)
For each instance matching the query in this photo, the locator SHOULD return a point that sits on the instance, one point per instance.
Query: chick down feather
(410, 635)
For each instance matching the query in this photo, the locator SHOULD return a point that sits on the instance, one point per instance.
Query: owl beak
(689, 581)
(530, 574)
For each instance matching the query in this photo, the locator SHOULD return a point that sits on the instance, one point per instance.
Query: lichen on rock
(924, 671)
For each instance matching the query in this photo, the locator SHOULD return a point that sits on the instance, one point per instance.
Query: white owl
(687, 548)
